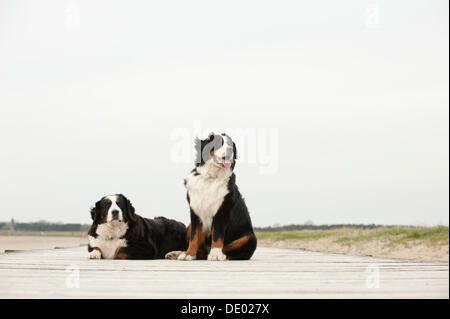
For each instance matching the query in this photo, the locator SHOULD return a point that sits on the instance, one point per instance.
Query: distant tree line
(316, 227)
(42, 226)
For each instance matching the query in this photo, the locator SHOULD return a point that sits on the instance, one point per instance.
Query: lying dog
(117, 232)
(220, 222)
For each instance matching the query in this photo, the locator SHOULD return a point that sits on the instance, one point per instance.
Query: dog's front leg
(197, 239)
(94, 252)
(218, 232)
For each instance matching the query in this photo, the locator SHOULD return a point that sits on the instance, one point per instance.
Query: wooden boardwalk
(272, 273)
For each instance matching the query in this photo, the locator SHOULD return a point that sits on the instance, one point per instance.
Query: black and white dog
(117, 232)
(220, 222)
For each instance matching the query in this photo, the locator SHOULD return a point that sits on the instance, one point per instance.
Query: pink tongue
(225, 163)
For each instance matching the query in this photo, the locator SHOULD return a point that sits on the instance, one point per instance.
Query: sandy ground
(38, 242)
(371, 248)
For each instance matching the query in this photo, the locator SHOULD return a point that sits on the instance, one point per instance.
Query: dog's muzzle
(115, 215)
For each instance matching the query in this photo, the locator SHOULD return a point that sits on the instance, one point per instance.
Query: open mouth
(224, 162)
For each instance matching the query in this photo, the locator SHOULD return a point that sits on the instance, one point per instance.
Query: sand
(371, 248)
(38, 242)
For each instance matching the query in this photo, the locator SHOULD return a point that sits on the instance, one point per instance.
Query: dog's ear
(93, 213)
(95, 210)
(207, 147)
(204, 147)
(131, 210)
(198, 151)
(234, 155)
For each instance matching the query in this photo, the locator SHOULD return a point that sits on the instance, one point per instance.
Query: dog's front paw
(95, 254)
(216, 254)
(184, 256)
(173, 255)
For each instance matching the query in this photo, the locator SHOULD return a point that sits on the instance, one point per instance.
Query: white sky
(91, 91)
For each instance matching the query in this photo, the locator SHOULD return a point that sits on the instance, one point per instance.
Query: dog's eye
(117, 201)
(109, 201)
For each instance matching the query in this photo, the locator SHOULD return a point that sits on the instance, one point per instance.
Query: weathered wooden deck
(272, 273)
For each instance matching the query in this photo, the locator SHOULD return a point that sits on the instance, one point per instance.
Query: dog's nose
(115, 214)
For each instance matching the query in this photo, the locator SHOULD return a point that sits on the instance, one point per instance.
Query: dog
(221, 228)
(117, 232)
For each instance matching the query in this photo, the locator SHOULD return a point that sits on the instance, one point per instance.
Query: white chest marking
(207, 192)
(108, 239)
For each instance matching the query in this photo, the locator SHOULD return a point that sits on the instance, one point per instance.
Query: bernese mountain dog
(220, 226)
(117, 232)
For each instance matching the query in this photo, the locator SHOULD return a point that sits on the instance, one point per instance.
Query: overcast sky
(95, 97)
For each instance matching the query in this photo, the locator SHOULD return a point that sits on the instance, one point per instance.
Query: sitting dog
(220, 226)
(117, 232)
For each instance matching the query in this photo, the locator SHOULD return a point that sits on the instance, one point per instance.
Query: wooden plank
(272, 273)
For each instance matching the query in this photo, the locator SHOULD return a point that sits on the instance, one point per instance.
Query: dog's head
(113, 209)
(219, 150)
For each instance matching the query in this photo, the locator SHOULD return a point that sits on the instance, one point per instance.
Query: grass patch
(402, 235)
(295, 235)
(406, 236)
